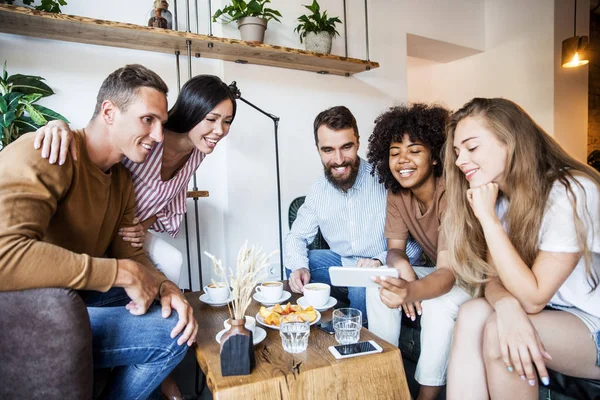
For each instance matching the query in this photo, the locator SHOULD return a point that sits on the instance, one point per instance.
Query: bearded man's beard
(342, 183)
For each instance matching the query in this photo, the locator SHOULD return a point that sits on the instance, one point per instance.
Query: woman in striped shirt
(200, 118)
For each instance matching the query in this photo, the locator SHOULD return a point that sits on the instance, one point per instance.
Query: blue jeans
(319, 262)
(139, 349)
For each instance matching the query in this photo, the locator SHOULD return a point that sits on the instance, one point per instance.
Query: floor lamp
(238, 95)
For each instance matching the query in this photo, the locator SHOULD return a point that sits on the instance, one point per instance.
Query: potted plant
(317, 29)
(251, 17)
(52, 6)
(18, 113)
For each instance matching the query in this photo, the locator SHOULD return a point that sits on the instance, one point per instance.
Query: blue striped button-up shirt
(352, 223)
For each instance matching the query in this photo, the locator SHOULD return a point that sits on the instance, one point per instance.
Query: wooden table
(314, 374)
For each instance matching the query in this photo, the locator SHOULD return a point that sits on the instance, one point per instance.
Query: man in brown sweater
(59, 228)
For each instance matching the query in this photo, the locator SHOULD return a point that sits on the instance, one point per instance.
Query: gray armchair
(45, 345)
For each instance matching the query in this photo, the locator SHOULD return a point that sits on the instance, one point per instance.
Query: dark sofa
(45, 345)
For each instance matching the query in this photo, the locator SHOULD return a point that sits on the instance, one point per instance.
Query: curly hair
(423, 122)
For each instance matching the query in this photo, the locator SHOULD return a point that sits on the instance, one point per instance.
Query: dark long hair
(199, 96)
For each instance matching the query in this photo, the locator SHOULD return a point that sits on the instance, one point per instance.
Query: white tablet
(359, 277)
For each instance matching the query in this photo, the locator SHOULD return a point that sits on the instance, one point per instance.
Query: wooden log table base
(314, 374)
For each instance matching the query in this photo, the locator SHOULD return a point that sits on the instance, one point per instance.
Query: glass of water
(347, 323)
(294, 336)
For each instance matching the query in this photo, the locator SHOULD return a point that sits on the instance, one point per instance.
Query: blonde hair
(534, 162)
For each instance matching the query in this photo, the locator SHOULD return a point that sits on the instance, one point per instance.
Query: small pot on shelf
(252, 29)
(319, 42)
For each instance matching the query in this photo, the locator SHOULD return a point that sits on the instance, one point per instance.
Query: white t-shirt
(557, 234)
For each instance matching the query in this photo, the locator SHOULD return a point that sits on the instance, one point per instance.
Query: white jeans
(164, 256)
(437, 325)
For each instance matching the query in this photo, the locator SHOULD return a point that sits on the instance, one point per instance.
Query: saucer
(284, 296)
(261, 320)
(332, 302)
(260, 335)
(205, 298)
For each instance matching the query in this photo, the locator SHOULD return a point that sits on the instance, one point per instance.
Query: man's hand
(298, 279)
(368, 263)
(140, 285)
(172, 298)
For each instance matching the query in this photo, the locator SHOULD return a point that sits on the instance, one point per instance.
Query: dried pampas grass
(251, 263)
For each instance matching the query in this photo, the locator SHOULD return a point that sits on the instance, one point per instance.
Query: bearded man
(347, 204)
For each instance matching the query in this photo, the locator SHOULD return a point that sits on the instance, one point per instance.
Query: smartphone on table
(326, 327)
(355, 349)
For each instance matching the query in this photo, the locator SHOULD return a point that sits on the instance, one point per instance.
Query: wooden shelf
(194, 194)
(28, 22)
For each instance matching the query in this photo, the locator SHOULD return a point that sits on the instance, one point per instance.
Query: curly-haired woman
(405, 150)
(523, 229)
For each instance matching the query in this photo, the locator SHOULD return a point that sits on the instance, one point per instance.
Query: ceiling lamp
(574, 48)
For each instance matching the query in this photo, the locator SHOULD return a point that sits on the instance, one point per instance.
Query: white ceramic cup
(250, 324)
(217, 291)
(316, 294)
(270, 290)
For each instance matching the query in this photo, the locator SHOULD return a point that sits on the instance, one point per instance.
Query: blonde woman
(523, 230)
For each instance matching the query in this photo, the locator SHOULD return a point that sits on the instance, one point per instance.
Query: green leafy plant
(239, 9)
(18, 113)
(52, 6)
(316, 22)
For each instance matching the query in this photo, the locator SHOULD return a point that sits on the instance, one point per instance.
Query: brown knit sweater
(58, 224)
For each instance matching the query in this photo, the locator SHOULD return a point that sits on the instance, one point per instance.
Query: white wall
(516, 64)
(521, 63)
(240, 174)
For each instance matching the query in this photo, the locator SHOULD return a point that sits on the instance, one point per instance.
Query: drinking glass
(347, 323)
(294, 336)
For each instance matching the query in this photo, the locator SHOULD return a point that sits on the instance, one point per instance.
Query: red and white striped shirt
(165, 199)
